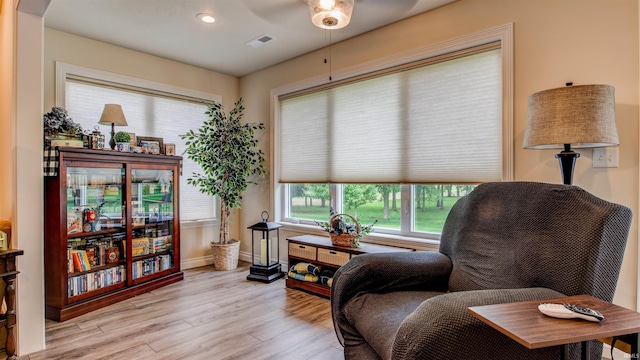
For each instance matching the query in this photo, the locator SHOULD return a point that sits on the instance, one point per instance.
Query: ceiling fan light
(327, 4)
(331, 14)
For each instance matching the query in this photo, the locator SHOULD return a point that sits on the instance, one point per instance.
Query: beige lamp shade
(582, 116)
(112, 114)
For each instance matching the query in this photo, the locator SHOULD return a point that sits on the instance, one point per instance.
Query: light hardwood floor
(210, 315)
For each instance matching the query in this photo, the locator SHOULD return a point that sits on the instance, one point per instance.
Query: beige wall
(584, 41)
(76, 50)
(7, 43)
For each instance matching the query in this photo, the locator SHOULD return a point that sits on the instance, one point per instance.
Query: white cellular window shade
(436, 123)
(148, 114)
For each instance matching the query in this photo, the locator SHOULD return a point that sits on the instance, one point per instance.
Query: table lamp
(112, 115)
(582, 116)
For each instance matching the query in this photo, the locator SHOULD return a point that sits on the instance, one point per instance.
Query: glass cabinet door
(95, 230)
(152, 214)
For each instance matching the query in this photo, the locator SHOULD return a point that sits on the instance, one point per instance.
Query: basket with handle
(348, 240)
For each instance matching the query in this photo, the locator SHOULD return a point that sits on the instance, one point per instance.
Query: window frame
(65, 70)
(279, 192)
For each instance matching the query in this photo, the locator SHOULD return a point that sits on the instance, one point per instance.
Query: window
(399, 144)
(408, 210)
(151, 109)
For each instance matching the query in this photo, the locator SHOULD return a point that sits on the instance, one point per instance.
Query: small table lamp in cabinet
(265, 267)
(112, 115)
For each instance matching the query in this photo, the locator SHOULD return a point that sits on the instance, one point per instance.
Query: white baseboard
(196, 262)
(208, 260)
(245, 256)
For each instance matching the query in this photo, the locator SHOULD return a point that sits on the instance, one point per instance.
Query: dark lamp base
(112, 142)
(567, 160)
(265, 273)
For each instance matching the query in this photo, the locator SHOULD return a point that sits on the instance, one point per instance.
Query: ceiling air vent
(260, 40)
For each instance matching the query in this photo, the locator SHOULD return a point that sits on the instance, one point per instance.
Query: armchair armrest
(386, 272)
(424, 333)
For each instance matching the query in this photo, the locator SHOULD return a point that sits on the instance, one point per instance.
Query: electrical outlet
(605, 157)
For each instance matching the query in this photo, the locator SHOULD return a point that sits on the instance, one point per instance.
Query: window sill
(188, 224)
(374, 238)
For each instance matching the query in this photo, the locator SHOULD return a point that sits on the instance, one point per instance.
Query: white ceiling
(169, 28)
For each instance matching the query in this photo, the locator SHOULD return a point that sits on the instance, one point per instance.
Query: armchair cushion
(441, 326)
(380, 273)
(377, 317)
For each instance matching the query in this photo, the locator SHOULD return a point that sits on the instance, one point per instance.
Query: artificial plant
(122, 137)
(227, 150)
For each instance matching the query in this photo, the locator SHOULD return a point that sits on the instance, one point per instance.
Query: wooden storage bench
(319, 250)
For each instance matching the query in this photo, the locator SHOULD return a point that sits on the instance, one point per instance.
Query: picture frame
(154, 145)
(169, 149)
(150, 147)
(138, 220)
(133, 141)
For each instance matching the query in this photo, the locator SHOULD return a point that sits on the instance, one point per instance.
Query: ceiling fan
(286, 12)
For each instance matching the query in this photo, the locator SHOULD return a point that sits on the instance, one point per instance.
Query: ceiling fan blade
(395, 6)
(277, 11)
(294, 12)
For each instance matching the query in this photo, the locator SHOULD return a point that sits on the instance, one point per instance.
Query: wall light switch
(605, 157)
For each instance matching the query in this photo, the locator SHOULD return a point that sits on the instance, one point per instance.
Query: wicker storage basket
(225, 256)
(347, 240)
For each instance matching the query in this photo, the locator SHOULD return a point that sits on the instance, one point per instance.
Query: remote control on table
(570, 311)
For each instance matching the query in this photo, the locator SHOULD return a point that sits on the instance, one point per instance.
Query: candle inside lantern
(3, 240)
(263, 252)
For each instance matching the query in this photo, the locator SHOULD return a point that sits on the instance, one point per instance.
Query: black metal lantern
(265, 268)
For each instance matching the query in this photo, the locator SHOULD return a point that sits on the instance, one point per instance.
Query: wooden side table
(524, 323)
(8, 273)
(320, 251)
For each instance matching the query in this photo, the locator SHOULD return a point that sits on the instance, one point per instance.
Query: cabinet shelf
(157, 274)
(318, 289)
(76, 235)
(97, 292)
(153, 224)
(296, 259)
(96, 269)
(109, 191)
(151, 255)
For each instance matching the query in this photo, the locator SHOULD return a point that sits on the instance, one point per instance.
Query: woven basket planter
(347, 240)
(225, 256)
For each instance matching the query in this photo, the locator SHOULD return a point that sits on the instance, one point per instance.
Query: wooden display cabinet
(111, 229)
(319, 250)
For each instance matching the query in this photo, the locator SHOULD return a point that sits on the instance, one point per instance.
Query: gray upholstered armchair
(504, 242)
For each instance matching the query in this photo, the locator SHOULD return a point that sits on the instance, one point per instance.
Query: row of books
(83, 254)
(96, 280)
(80, 261)
(152, 245)
(160, 244)
(150, 266)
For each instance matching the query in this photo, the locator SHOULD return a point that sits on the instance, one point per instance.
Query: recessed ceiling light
(206, 18)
